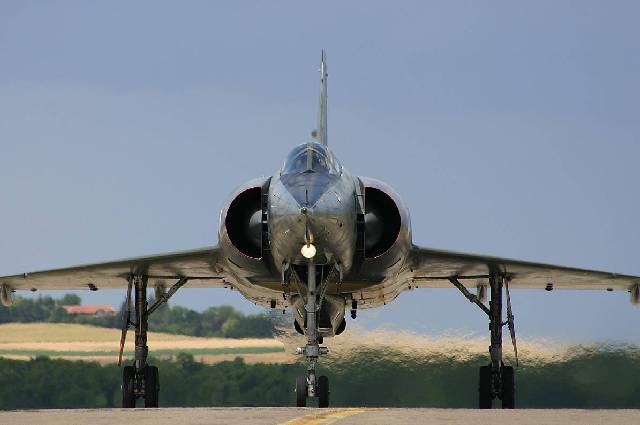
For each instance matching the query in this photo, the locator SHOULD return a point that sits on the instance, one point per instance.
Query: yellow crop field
(84, 342)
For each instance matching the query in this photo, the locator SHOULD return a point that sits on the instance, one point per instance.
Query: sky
(509, 128)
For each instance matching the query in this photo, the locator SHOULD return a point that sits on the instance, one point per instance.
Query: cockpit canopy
(311, 157)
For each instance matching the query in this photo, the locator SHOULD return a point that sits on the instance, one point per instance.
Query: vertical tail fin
(320, 133)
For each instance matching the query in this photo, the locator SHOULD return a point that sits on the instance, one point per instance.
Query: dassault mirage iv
(318, 240)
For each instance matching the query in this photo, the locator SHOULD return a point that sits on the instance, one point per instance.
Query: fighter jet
(317, 240)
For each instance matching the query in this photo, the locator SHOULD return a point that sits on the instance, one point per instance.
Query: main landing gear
(497, 381)
(141, 380)
(310, 386)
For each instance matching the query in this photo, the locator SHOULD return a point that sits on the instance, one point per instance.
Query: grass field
(84, 342)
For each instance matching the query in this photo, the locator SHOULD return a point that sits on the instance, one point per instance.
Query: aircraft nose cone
(312, 208)
(307, 188)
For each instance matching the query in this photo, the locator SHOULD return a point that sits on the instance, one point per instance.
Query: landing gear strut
(310, 385)
(141, 380)
(497, 381)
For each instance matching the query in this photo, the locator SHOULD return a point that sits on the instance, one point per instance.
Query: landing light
(308, 250)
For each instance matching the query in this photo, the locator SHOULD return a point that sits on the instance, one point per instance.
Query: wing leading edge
(434, 268)
(198, 265)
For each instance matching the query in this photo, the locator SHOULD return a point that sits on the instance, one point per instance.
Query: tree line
(222, 321)
(607, 378)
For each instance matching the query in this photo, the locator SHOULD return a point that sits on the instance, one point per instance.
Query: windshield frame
(311, 157)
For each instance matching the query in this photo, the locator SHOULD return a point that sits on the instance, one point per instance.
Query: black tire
(128, 395)
(484, 388)
(301, 391)
(323, 391)
(508, 388)
(151, 386)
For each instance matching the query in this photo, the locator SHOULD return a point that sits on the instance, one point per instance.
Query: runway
(310, 416)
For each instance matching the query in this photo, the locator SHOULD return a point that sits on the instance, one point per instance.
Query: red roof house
(95, 310)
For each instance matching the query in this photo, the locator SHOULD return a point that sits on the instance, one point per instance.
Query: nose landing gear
(310, 386)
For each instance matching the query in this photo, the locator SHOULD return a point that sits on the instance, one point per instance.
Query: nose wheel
(321, 391)
(301, 391)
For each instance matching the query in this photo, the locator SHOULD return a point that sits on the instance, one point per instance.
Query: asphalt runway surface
(311, 416)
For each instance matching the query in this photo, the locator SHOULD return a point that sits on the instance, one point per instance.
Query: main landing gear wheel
(301, 391)
(323, 391)
(128, 386)
(508, 388)
(151, 386)
(507, 393)
(484, 388)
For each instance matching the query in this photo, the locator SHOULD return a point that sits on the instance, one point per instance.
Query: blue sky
(509, 128)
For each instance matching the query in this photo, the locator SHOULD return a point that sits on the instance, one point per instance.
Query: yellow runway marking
(325, 417)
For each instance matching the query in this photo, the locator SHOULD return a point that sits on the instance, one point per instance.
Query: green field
(608, 377)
